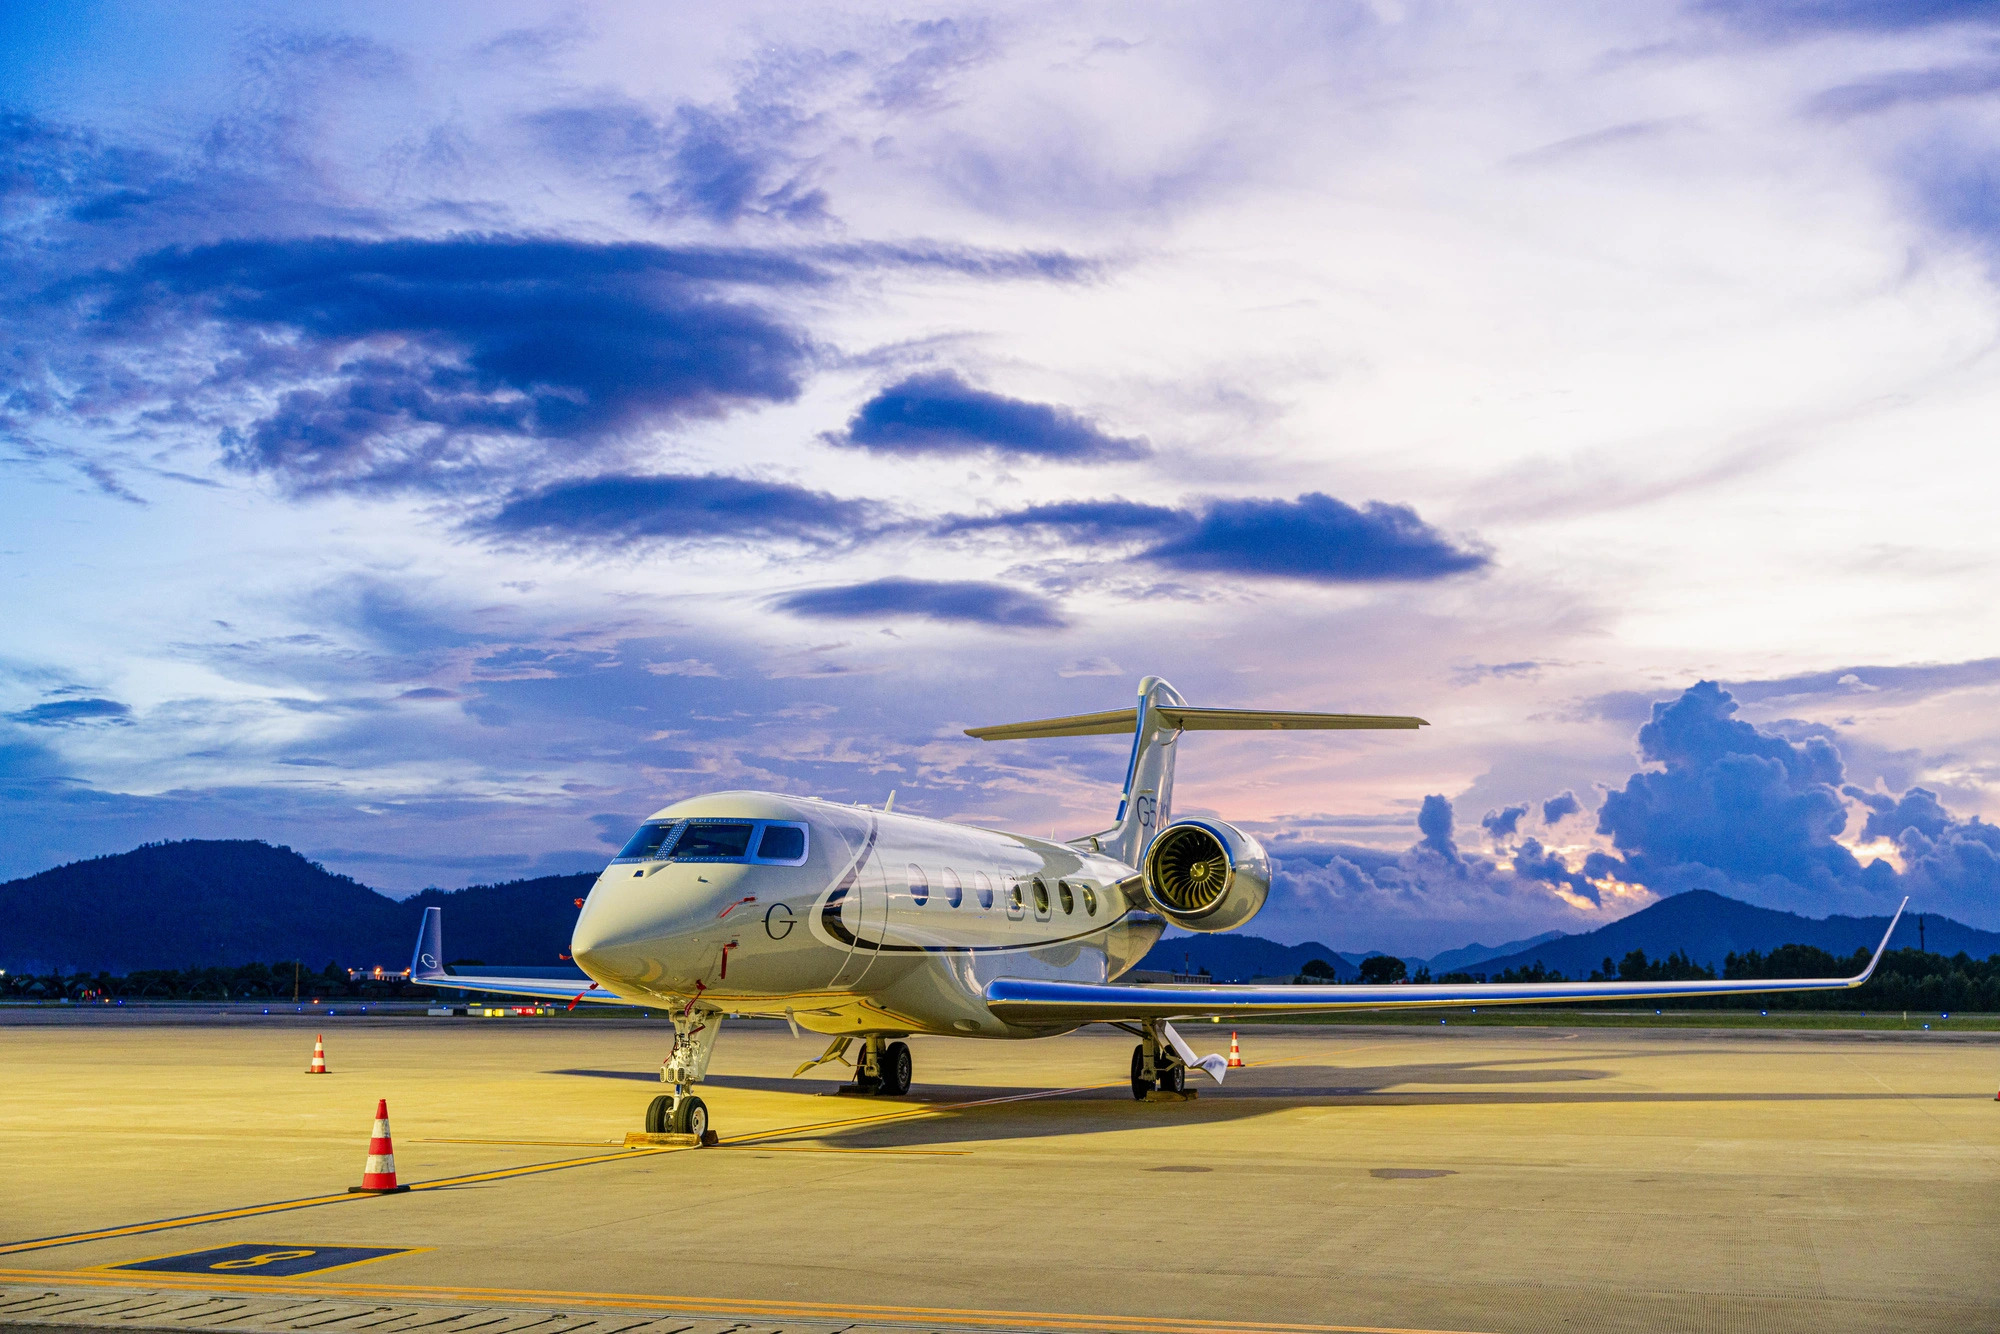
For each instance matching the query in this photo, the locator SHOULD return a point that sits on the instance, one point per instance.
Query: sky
(434, 438)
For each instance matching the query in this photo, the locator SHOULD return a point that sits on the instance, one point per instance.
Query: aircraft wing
(427, 968)
(1031, 1001)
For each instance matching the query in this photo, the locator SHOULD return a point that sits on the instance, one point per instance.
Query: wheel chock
(640, 1139)
(1168, 1095)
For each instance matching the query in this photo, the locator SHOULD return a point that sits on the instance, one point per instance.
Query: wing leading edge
(427, 968)
(1028, 1001)
(1116, 722)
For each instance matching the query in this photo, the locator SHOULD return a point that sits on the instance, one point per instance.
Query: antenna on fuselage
(890, 804)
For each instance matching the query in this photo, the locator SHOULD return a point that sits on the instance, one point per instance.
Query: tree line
(245, 982)
(1906, 979)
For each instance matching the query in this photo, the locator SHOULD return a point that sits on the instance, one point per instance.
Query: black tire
(1173, 1078)
(897, 1067)
(691, 1116)
(656, 1114)
(1141, 1085)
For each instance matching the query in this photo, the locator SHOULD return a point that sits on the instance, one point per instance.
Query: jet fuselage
(852, 920)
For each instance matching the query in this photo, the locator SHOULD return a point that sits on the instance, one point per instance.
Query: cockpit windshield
(645, 845)
(777, 843)
(713, 840)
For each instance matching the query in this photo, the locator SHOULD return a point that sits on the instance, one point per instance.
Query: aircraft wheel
(897, 1067)
(656, 1114)
(691, 1117)
(1173, 1079)
(1141, 1085)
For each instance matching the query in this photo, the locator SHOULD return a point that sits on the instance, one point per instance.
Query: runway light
(1927, 1028)
(1764, 1012)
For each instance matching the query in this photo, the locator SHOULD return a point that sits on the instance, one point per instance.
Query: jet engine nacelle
(1205, 875)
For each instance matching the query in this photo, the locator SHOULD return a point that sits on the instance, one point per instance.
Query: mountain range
(230, 901)
(1708, 927)
(222, 902)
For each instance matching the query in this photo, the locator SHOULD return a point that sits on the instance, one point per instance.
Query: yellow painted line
(535, 1143)
(281, 1206)
(683, 1305)
(534, 1169)
(827, 1148)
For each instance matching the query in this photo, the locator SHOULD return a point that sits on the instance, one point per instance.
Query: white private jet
(874, 924)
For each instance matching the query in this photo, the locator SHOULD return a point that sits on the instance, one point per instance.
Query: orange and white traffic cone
(1235, 1053)
(318, 1067)
(378, 1175)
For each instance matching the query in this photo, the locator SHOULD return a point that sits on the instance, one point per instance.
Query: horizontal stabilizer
(1121, 721)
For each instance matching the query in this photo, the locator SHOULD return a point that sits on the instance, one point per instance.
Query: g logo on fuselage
(1147, 808)
(778, 921)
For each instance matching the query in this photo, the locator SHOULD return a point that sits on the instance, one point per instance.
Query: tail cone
(1235, 1053)
(378, 1176)
(318, 1066)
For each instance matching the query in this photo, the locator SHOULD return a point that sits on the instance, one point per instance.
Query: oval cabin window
(1041, 898)
(982, 889)
(920, 886)
(1068, 898)
(954, 893)
(1089, 899)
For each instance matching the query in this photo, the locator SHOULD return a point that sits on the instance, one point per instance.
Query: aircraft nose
(617, 921)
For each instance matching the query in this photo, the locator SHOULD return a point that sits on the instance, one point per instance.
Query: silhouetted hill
(1709, 927)
(230, 901)
(1238, 958)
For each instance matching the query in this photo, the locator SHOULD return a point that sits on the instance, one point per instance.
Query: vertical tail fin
(427, 960)
(1146, 805)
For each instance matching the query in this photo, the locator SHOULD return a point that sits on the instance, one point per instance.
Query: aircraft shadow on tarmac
(1247, 1093)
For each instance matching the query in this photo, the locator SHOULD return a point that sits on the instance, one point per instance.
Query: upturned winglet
(1869, 971)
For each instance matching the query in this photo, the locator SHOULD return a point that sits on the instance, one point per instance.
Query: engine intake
(1206, 876)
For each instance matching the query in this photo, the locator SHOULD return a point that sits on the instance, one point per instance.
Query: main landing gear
(681, 1112)
(1156, 1065)
(884, 1069)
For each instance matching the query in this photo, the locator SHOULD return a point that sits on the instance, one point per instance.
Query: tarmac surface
(1383, 1178)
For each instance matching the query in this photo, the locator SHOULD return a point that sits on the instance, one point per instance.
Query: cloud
(1090, 667)
(1318, 539)
(949, 602)
(715, 164)
(1505, 823)
(939, 413)
(684, 667)
(1731, 798)
(1560, 807)
(74, 713)
(1314, 538)
(406, 362)
(619, 510)
(1800, 18)
(1434, 822)
(1905, 88)
(1079, 520)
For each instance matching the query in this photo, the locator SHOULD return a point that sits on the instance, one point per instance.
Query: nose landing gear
(678, 1114)
(681, 1112)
